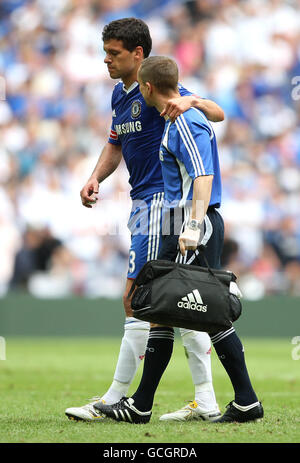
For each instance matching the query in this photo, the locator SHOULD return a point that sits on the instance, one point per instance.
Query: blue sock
(158, 353)
(231, 354)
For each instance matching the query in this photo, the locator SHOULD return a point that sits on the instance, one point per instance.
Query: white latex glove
(189, 239)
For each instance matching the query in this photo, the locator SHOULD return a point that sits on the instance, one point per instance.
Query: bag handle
(201, 249)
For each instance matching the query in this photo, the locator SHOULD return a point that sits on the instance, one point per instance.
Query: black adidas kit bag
(185, 296)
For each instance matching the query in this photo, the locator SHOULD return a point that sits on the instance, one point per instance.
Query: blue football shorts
(145, 225)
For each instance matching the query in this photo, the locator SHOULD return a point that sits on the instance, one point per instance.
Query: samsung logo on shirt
(128, 127)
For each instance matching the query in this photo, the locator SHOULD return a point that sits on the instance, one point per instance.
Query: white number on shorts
(131, 261)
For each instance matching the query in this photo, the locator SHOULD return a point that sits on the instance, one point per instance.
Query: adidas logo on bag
(192, 301)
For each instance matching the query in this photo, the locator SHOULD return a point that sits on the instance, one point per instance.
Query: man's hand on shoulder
(178, 105)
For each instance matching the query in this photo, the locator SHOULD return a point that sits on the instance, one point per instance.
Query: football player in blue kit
(192, 184)
(136, 134)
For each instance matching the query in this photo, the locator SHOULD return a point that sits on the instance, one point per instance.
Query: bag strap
(201, 249)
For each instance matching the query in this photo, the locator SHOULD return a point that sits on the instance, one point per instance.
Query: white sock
(197, 346)
(132, 351)
(205, 396)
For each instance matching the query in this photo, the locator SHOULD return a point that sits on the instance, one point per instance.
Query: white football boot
(190, 412)
(86, 412)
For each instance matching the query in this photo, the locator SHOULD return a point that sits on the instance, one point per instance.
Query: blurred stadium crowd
(55, 118)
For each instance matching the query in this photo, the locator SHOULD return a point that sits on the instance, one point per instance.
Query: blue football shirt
(138, 128)
(189, 150)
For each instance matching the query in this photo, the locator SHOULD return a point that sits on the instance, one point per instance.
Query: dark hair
(160, 71)
(132, 31)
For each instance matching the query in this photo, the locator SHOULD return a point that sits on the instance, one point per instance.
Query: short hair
(160, 71)
(132, 31)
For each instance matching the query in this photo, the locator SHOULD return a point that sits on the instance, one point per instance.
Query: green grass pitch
(42, 377)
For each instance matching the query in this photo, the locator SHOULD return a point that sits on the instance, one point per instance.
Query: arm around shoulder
(212, 110)
(178, 105)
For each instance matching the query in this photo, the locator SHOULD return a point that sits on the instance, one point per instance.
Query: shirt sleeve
(113, 136)
(184, 92)
(191, 144)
